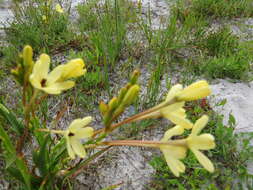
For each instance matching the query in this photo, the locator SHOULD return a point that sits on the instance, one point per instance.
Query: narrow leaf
(11, 119)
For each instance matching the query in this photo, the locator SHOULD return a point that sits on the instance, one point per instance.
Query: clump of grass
(38, 24)
(216, 8)
(230, 156)
(106, 26)
(218, 43)
(222, 55)
(234, 66)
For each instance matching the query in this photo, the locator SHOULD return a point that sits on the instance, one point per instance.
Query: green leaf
(35, 156)
(12, 153)
(11, 119)
(222, 103)
(24, 171)
(10, 159)
(57, 152)
(14, 172)
(43, 157)
(231, 120)
(7, 141)
(38, 134)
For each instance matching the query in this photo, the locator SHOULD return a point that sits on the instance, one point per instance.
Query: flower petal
(199, 125)
(41, 66)
(172, 165)
(78, 147)
(54, 75)
(173, 92)
(180, 112)
(177, 130)
(79, 123)
(201, 142)
(175, 165)
(203, 160)
(195, 91)
(178, 120)
(35, 81)
(172, 107)
(69, 148)
(40, 70)
(73, 68)
(57, 88)
(177, 152)
(84, 133)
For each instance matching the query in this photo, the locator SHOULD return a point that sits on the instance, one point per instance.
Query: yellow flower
(55, 81)
(197, 142)
(58, 8)
(173, 112)
(195, 91)
(176, 114)
(77, 131)
(173, 153)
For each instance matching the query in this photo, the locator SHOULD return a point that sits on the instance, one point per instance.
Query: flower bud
(28, 56)
(113, 103)
(134, 77)
(103, 108)
(131, 94)
(122, 94)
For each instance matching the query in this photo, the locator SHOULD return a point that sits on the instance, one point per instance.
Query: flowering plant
(52, 155)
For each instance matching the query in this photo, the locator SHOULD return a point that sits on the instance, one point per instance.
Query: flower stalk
(27, 110)
(151, 144)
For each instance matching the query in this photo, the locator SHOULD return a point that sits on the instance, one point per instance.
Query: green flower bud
(134, 77)
(103, 108)
(28, 56)
(122, 94)
(131, 94)
(113, 103)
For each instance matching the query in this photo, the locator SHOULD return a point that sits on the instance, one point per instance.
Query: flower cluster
(36, 75)
(176, 114)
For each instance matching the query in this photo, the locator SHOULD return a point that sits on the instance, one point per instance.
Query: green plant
(219, 43)
(107, 36)
(217, 8)
(50, 166)
(235, 67)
